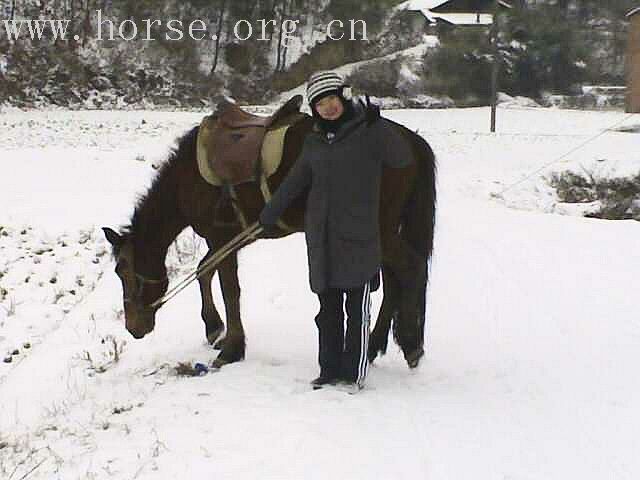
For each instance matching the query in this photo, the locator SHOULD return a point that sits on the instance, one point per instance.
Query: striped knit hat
(323, 83)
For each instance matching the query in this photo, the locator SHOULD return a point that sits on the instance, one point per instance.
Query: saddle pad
(270, 157)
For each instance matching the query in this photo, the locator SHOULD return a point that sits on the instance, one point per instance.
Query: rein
(242, 239)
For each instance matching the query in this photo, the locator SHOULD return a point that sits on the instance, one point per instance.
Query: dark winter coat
(342, 212)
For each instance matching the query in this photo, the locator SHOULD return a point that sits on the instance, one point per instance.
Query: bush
(460, 67)
(326, 55)
(619, 198)
(573, 188)
(376, 78)
(539, 52)
(542, 52)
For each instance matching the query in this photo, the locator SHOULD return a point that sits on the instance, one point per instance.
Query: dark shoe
(323, 380)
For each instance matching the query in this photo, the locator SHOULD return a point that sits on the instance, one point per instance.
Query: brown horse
(179, 197)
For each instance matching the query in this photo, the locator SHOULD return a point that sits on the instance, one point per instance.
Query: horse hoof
(373, 354)
(413, 359)
(225, 358)
(213, 336)
(371, 357)
(218, 363)
(376, 348)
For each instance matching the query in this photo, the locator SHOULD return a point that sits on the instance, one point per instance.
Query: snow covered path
(533, 338)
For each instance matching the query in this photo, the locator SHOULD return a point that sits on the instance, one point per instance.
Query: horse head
(139, 290)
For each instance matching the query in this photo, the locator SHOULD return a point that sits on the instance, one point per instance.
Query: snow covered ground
(533, 332)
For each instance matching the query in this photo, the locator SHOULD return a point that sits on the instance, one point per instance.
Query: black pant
(344, 356)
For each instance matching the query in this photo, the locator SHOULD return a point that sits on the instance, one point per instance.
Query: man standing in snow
(341, 161)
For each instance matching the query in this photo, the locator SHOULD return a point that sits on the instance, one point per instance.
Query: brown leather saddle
(236, 138)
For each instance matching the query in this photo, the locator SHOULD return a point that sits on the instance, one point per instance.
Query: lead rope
(237, 242)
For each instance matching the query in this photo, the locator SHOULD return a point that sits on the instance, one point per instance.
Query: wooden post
(633, 63)
(495, 64)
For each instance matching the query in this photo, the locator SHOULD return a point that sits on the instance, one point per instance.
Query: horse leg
(417, 232)
(210, 316)
(408, 328)
(234, 343)
(408, 278)
(379, 338)
(406, 233)
(405, 262)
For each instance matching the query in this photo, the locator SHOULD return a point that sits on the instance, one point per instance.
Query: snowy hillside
(533, 338)
(411, 58)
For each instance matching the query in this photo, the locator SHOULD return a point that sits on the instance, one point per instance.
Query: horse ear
(112, 236)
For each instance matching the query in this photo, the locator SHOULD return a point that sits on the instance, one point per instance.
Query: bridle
(243, 238)
(139, 290)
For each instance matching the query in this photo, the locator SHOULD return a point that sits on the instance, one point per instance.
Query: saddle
(231, 142)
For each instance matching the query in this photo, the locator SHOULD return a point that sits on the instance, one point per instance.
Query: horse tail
(418, 226)
(421, 220)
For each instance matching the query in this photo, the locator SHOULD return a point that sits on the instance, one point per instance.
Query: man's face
(330, 107)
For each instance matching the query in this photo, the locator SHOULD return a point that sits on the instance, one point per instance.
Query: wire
(573, 150)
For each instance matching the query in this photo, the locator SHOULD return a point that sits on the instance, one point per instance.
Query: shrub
(619, 198)
(376, 78)
(460, 67)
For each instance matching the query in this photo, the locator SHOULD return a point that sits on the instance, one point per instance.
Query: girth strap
(266, 193)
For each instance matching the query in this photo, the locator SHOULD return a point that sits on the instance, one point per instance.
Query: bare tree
(273, 14)
(563, 7)
(280, 58)
(216, 47)
(287, 16)
(5, 8)
(86, 23)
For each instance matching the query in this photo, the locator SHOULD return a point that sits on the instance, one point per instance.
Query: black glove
(269, 229)
(372, 111)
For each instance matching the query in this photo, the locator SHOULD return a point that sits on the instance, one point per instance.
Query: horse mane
(153, 201)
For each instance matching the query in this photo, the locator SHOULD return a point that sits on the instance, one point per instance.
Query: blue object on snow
(201, 368)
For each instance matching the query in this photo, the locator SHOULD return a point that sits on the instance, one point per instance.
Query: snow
(419, 4)
(406, 75)
(507, 101)
(533, 334)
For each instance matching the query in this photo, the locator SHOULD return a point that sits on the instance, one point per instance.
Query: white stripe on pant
(364, 335)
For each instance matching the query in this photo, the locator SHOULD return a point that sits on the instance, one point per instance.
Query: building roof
(419, 5)
(467, 14)
(469, 6)
(426, 8)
